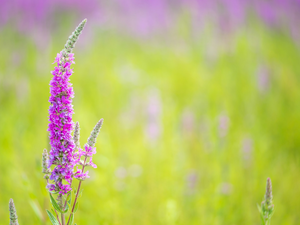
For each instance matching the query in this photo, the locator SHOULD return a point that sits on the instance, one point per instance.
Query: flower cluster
(61, 124)
(87, 153)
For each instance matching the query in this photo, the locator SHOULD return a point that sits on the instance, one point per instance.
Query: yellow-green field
(192, 127)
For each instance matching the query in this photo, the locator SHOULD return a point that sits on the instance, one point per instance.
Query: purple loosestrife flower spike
(76, 135)
(12, 213)
(60, 117)
(92, 139)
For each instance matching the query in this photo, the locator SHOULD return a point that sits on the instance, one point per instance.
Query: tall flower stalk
(65, 153)
(60, 117)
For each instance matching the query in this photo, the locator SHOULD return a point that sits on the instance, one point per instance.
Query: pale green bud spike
(74, 37)
(92, 139)
(12, 213)
(76, 135)
(268, 195)
(267, 207)
(45, 160)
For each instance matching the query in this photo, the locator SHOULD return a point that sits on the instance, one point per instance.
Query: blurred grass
(189, 174)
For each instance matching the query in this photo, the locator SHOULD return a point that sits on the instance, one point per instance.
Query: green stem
(78, 189)
(57, 217)
(62, 215)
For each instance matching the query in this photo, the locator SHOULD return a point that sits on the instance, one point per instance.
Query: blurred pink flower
(263, 79)
(153, 127)
(223, 125)
(188, 122)
(191, 181)
(226, 188)
(247, 147)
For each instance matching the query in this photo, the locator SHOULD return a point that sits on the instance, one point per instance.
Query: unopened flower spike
(92, 139)
(267, 207)
(45, 159)
(76, 135)
(12, 213)
(74, 37)
(268, 195)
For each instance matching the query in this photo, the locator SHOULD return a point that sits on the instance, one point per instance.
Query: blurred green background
(199, 108)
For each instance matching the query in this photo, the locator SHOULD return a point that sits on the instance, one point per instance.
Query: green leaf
(67, 208)
(54, 204)
(261, 215)
(52, 218)
(76, 207)
(69, 198)
(271, 214)
(80, 193)
(71, 218)
(69, 201)
(258, 207)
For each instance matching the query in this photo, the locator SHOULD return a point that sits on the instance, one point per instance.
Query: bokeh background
(200, 100)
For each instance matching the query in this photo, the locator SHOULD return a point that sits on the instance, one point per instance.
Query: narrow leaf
(72, 218)
(69, 198)
(54, 204)
(80, 193)
(261, 215)
(258, 207)
(67, 208)
(52, 218)
(76, 207)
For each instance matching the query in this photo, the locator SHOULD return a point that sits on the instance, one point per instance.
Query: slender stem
(57, 217)
(54, 209)
(78, 189)
(62, 215)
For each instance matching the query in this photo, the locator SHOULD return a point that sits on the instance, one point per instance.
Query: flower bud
(74, 37)
(45, 162)
(12, 213)
(76, 135)
(268, 195)
(92, 139)
(267, 207)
